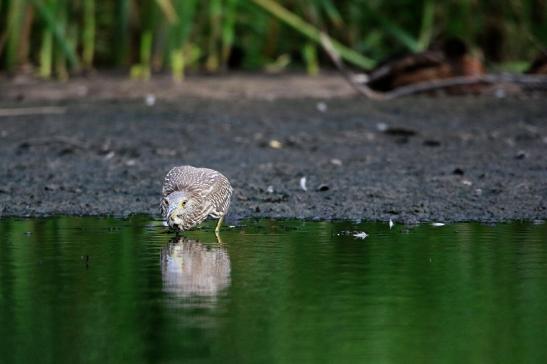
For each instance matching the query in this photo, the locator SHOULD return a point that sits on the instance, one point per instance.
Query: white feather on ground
(303, 184)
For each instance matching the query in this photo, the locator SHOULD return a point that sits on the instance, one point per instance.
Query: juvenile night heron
(191, 194)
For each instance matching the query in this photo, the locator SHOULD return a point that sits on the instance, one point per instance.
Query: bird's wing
(213, 187)
(220, 194)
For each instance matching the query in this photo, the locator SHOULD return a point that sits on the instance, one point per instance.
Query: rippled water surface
(103, 290)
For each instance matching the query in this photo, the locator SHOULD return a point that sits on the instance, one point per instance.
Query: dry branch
(359, 82)
(22, 111)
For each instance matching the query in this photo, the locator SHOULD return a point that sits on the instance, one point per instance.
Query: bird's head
(178, 208)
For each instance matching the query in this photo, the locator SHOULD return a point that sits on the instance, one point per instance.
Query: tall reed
(61, 37)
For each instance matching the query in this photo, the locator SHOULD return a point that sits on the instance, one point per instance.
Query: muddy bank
(412, 160)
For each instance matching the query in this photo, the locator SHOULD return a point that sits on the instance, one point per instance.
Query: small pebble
(51, 187)
(500, 93)
(322, 106)
(110, 155)
(381, 127)
(323, 188)
(431, 143)
(360, 78)
(150, 100)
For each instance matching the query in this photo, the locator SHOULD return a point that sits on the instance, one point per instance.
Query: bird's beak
(170, 211)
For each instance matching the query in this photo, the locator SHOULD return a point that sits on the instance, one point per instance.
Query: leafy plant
(66, 36)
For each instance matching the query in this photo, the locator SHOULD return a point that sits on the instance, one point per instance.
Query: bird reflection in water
(192, 269)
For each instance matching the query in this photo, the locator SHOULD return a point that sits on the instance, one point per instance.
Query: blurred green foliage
(55, 37)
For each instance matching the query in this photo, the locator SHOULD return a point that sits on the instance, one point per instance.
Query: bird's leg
(217, 229)
(219, 239)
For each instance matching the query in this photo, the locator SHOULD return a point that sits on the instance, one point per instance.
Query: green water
(97, 290)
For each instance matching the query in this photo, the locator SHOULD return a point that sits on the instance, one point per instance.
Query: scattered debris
(510, 142)
(303, 184)
(150, 100)
(381, 127)
(43, 110)
(276, 198)
(431, 143)
(275, 144)
(360, 235)
(130, 162)
(323, 188)
(521, 154)
(51, 187)
(391, 224)
(69, 143)
(458, 171)
(355, 234)
(322, 106)
(467, 182)
(270, 189)
(338, 162)
(360, 78)
(397, 131)
(437, 224)
(110, 155)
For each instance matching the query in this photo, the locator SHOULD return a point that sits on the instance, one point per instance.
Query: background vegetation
(52, 38)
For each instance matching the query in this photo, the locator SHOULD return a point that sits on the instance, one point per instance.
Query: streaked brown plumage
(191, 194)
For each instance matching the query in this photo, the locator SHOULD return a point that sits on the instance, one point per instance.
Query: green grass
(63, 37)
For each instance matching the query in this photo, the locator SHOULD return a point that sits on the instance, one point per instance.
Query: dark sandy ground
(413, 159)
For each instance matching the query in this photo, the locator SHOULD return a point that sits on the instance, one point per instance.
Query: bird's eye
(183, 203)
